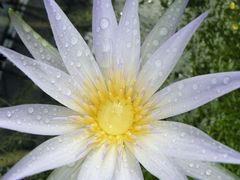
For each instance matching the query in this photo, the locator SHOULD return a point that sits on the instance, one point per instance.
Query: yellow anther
(232, 5)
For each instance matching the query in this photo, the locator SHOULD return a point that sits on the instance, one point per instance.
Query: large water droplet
(58, 16)
(214, 81)
(226, 80)
(208, 172)
(79, 53)
(163, 31)
(195, 86)
(74, 40)
(104, 23)
(30, 110)
(9, 114)
(158, 63)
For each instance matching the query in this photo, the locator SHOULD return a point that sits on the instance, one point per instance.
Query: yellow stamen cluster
(113, 113)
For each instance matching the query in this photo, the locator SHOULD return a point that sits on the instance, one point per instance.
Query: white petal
(99, 164)
(127, 167)
(161, 63)
(51, 154)
(68, 172)
(38, 119)
(128, 42)
(203, 170)
(75, 53)
(54, 82)
(183, 141)
(104, 28)
(165, 28)
(191, 93)
(39, 48)
(156, 162)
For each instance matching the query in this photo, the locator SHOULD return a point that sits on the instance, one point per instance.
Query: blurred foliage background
(214, 48)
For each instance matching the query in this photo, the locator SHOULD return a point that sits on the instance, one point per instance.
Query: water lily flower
(113, 116)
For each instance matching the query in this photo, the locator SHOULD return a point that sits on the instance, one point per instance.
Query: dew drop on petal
(58, 75)
(104, 23)
(214, 81)
(30, 110)
(158, 63)
(226, 80)
(74, 40)
(58, 16)
(38, 117)
(195, 86)
(9, 114)
(163, 31)
(208, 172)
(155, 42)
(191, 165)
(19, 121)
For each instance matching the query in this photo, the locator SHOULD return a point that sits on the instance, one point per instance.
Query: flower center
(115, 117)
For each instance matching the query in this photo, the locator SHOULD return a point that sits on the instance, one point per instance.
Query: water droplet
(45, 110)
(38, 117)
(28, 37)
(66, 45)
(180, 86)
(64, 27)
(9, 114)
(135, 32)
(226, 80)
(68, 92)
(158, 63)
(128, 45)
(58, 16)
(74, 40)
(30, 110)
(191, 165)
(58, 75)
(106, 47)
(155, 42)
(127, 23)
(79, 53)
(19, 121)
(208, 172)
(104, 23)
(214, 81)
(225, 155)
(195, 86)
(163, 31)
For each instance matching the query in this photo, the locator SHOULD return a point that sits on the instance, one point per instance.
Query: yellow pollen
(115, 117)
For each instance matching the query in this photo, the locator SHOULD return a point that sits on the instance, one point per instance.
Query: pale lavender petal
(204, 170)
(38, 119)
(39, 48)
(165, 28)
(127, 167)
(186, 142)
(104, 28)
(53, 153)
(162, 62)
(75, 53)
(54, 82)
(191, 93)
(156, 162)
(128, 41)
(69, 172)
(99, 164)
